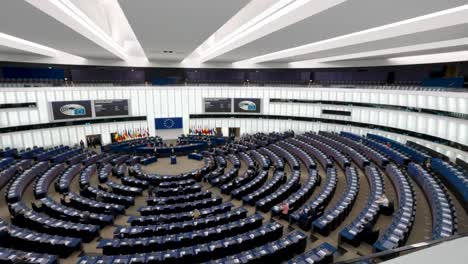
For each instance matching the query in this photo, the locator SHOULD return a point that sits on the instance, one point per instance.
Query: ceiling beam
(32, 47)
(383, 52)
(442, 19)
(257, 20)
(70, 15)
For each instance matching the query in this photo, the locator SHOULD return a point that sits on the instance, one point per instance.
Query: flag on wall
(168, 123)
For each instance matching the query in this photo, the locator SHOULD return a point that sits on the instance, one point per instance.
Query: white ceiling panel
(20, 19)
(168, 32)
(179, 26)
(7, 51)
(449, 33)
(351, 16)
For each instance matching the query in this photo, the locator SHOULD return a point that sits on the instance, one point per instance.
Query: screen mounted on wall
(63, 110)
(247, 105)
(218, 105)
(104, 108)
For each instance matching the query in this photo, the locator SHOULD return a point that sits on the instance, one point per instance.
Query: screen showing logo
(65, 110)
(73, 110)
(248, 106)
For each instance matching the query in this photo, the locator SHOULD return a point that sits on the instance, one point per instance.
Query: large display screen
(71, 109)
(247, 105)
(104, 108)
(218, 105)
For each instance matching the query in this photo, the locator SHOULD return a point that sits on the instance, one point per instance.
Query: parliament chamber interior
(241, 131)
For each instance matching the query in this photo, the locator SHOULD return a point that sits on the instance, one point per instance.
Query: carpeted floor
(421, 230)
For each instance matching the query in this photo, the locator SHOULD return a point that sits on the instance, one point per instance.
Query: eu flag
(168, 123)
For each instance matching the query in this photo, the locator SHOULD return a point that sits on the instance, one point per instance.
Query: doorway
(234, 132)
(93, 141)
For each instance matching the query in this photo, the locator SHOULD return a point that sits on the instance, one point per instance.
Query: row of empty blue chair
(298, 198)
(321, 254)
(316, 140)
(354, 141)
(278, 163)
(9, 173)
(201, 252)
(178, 198)
(215, 211)
(8, 255)
(402, 221)
(314, 208)
(104, 196)
(6, 162)
(60, 211)
(119, 246)
(269, 187)
(292, 161)
(26, 217)
(30, 153)
(456, 179)
(273, 252)
(263, 160)
(86, 204)
(354, 233)
(134, 182)
(414, 154)
(41, 187)
(332, 140)
(239, 181)
(28, 240)
(324, 160)
(18, 186)
(180, 207)
(63, 156)
(122, 189)
(291, 185)
(336, 214)
(8, 152)
(247, 159)
(389, 152)
(250, 186)
(104, 172)
(85, 176)
(443, 222)
(92, 159)
(234, 159)
(64, 181)
(306, 159)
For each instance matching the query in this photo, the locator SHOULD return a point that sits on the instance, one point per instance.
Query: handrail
(393, 252)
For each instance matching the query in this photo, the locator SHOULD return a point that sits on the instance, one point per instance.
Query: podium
(173, 159)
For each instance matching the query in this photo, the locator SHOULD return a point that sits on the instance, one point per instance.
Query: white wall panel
(183, 101)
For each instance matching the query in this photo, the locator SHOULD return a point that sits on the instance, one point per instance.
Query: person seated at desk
(20, 258)
(383, 201)
(99, 197)
(385, 205)
(368, 234)
(85, 216)
(285, 209)
(195, 214)
(197, 176)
